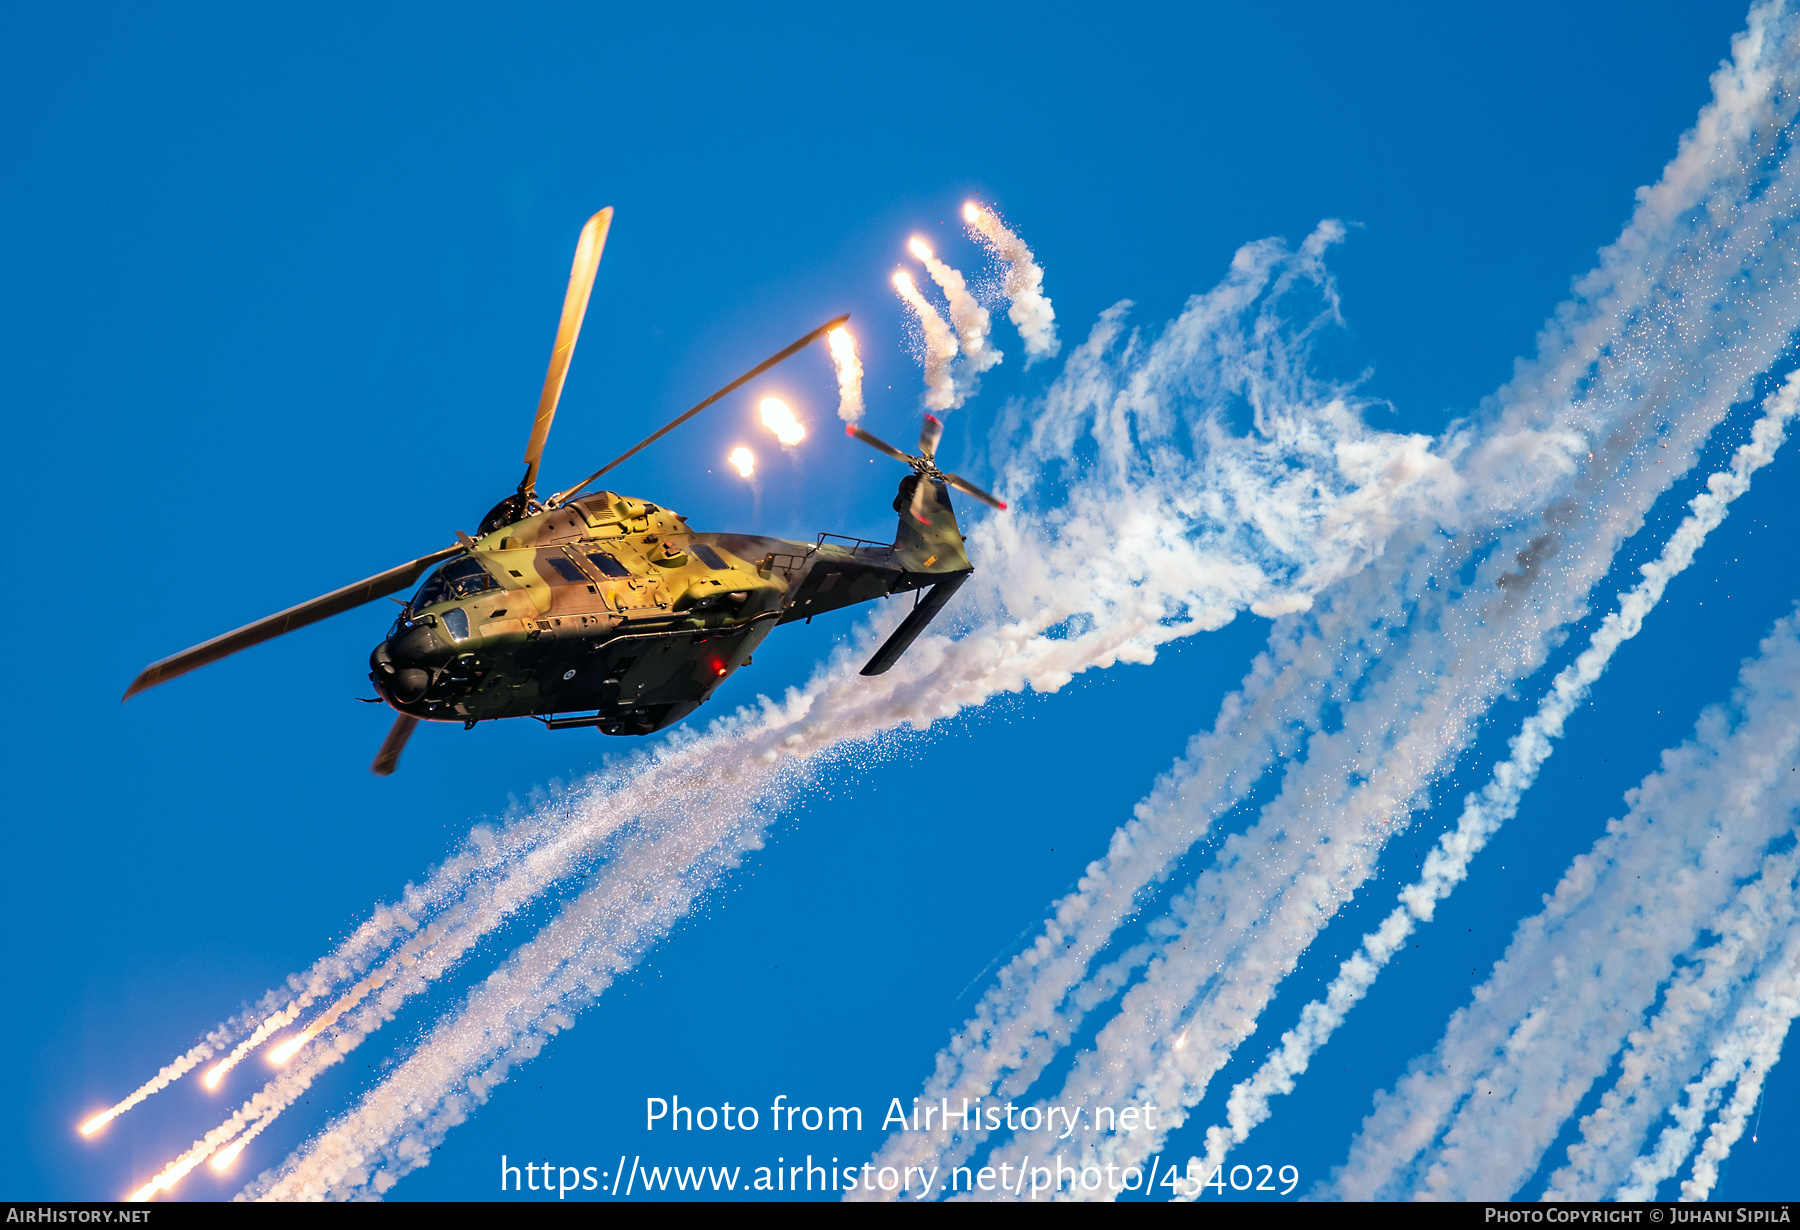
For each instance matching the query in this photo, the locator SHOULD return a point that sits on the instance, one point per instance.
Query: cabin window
(708, 556)
(457, 579)
(456, 623)
(607, 564)
(564, 569)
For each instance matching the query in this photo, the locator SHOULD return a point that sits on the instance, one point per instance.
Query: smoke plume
(969, 317)
(940, 347)
(1030, 311)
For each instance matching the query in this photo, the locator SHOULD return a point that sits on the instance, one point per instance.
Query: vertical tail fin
(929, 540)
(929, 547)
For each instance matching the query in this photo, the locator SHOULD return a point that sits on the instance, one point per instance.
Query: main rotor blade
(563, 497)
(337, 601)
(388, 758)
(876, 442)
(581, 284)
(964, 485)
(918, 501)
(929, 434)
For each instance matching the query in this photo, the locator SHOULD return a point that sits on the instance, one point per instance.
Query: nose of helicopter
(397, 665)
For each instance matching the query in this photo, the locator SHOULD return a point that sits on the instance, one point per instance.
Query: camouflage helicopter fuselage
(611, 612)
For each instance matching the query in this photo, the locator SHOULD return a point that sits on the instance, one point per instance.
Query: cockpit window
(457, 579)
(708, 556)
(567, 571)
(607, 564)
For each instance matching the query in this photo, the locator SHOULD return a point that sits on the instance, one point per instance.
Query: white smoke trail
(849, 373)
(247, 1029)
(259, 1035)
(1644, 340)
(250, 1028)
(650, 883)
(523, 860)
(969, 317)
(408, 953)
(940, 347)
(449, 886)
(170, 1072)
(1030, 311)
(1761, 1039)
(1764, 913)
(1746, 1056)
(1171, 568)
(1448, 864)
(1513, 1064)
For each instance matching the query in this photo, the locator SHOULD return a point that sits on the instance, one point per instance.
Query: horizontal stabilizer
(909, 630)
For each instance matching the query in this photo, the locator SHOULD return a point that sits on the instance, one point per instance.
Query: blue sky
(282, 286)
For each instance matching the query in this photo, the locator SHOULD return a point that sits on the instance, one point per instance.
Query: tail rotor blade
(876, 442)
(964, 485)
(581, 284)
(929, 435)
(388, 758)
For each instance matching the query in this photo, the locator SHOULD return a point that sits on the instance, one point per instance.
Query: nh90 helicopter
(608, 611)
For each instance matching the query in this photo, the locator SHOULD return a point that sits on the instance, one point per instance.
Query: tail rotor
(924, 465)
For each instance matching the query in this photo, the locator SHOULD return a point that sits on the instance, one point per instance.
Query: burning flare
(263, 1109)
(744, 460)
(849, 374)
(287, 1050)
(779, 418)
(173, 1173)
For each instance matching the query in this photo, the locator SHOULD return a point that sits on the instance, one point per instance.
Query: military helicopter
(606, 610)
